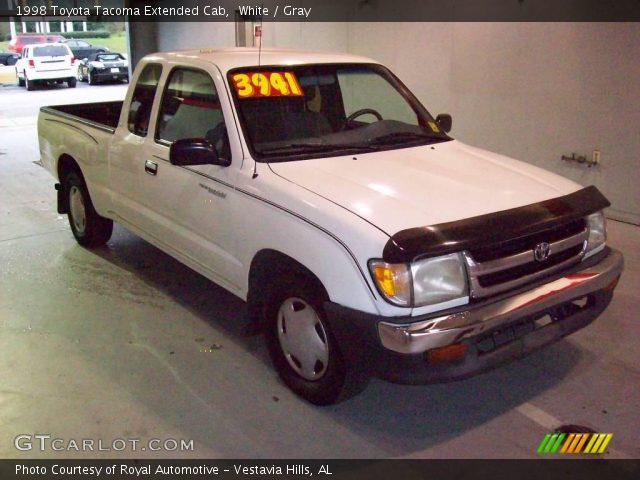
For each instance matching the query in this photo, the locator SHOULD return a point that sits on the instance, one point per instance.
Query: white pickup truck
(365, 240)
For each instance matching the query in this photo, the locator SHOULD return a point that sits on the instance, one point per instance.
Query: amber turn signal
(449, 353)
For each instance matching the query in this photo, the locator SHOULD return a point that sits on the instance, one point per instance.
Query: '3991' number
(266, 84)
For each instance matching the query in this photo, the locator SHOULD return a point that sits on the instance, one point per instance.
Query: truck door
(189, 209)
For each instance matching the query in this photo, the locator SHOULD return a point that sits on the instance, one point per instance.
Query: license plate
(115, 70)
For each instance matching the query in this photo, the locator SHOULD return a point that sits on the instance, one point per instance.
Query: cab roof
(229, 58)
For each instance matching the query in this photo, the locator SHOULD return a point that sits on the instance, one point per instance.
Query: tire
(20, 80)
(301, 345)
(71, 82)
(30, 84)
(89, 228)
(79, 75)
(92, 78)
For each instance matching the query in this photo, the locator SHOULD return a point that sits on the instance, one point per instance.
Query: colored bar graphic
(581, 443)
(567, 443)
(606, 441)
(574, 443)
(572, 448)
(557, 444)
(598, 442)
(543, 443)
(590, 444)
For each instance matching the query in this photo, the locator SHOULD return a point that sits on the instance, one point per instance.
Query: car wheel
(301, 345)
(20, 80)
(30, 84)
(89, 228)
(79, 75)
(71, 82)
(92, 78)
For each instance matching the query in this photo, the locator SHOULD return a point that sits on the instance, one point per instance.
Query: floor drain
(574, 429)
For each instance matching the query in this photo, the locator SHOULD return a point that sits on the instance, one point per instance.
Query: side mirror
(195, 151)
(445, 122)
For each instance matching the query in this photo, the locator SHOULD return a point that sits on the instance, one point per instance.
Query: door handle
(151, 167)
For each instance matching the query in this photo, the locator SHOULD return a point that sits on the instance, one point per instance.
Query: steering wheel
(359, 113)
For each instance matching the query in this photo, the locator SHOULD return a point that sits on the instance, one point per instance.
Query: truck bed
(104, 114)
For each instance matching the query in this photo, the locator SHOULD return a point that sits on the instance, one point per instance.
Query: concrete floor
(126, 343)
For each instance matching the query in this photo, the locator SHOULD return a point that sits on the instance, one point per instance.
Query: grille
(497, 268)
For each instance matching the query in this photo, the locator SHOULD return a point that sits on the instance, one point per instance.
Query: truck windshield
(308, 111)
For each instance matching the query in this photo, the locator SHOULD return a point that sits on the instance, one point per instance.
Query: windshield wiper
(399, 137)
(317, 147)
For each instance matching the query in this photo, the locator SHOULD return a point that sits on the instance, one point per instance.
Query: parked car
(46, 63)
(365, 239)
(18, 43)
(9, 58)
(100, 67)
(82, 49)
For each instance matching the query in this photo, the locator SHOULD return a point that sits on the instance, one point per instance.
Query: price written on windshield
(266, 84)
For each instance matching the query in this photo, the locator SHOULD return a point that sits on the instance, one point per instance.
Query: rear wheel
(20, 80)
(71, 82)
(301, 345)
(89, 228)
(30, 84)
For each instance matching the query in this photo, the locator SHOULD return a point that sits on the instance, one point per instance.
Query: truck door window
(142, 100)
(362, 89)
(191, 109)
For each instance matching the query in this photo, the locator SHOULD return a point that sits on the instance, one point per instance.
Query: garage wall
(534, 91)
(312, 36)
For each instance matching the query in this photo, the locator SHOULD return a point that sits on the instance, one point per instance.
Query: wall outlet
(595, 158)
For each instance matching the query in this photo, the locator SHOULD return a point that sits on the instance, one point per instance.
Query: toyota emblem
(541, 251)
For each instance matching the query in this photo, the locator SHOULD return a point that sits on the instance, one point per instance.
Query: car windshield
(50, 51)
(109, 57)
(297, 112)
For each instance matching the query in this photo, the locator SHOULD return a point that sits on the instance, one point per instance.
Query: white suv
(46, 62)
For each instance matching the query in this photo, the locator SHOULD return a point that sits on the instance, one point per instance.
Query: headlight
(424, 282)
(597, 233)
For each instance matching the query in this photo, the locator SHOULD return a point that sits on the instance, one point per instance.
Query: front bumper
(493, 332)
(107, 75)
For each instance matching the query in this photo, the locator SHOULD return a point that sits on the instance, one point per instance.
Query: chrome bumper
(445, 330)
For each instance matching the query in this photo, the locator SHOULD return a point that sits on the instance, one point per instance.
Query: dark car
(103, 66)
(82, 49)
(8, 58)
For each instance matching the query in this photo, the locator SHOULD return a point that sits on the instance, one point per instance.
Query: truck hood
(427, 185)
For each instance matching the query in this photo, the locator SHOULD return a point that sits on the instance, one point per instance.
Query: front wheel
(89, 228)
(301, 345)
(79, 75)
(92, 78)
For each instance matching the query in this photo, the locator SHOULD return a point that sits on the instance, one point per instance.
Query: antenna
(255, 163)
(260, 41)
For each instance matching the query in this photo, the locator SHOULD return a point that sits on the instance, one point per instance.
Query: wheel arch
(268, 267)
(66, 164)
